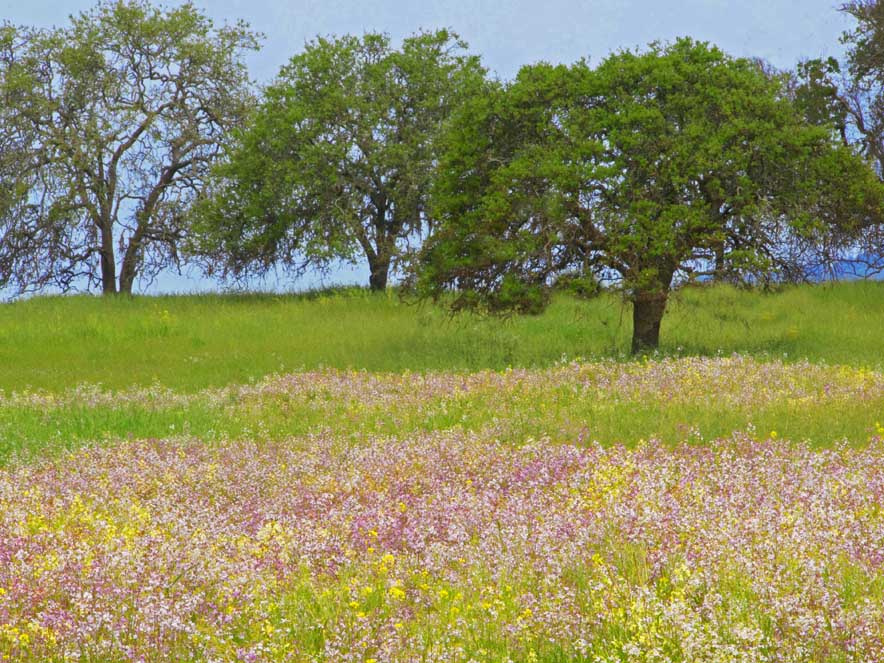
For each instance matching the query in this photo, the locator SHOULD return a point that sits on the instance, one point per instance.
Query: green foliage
(337, 160)
(816, 95)
(649, 170)
(848, 97)
(578, 285)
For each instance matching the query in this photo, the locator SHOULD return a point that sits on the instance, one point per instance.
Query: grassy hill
(193, 342)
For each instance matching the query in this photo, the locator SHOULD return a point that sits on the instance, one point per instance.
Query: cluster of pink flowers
(736, 380)
(444, 547)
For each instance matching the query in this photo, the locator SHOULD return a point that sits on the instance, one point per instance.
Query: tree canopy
(109, 126)
(849, 96)
(651, 169)
(15, 142)
(337, 161)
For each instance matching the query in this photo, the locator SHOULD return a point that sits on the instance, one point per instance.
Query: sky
(506, 35)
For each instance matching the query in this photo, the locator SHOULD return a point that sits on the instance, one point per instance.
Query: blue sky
(506, 35)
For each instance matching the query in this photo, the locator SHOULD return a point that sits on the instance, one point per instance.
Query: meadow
(341, 476)
(190, 343)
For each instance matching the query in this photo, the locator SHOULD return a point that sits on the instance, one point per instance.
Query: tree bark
(127, 280)
(380, 270)
(108, 262)
(647, 313)
(129, 269)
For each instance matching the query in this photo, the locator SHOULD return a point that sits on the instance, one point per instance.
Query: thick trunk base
(647, 313)
(126, 286)
(377, 280)
(108, 276)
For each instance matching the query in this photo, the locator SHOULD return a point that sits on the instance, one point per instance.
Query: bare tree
(114, 121)
(848, 97)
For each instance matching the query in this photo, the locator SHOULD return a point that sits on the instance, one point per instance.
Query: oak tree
(649, 170)
(336, 163)
(115, 120)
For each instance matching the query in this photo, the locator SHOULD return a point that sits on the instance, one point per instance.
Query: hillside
(194, 342)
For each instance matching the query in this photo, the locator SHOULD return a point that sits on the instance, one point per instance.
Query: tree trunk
(108, 263)
(127, 274)
(718, 248)
(647, 313)
(380, 269)
(126, 285)
(129, 268)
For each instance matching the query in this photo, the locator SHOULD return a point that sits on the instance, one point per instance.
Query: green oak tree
(651, 169)
(115, 120)
(336, 163)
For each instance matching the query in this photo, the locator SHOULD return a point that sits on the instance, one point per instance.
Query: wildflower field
(518, 515)
(684, 509)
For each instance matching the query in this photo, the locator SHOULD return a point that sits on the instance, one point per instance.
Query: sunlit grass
(194, 342)
(674, 401)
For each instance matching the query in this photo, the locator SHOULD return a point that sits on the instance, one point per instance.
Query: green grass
(670, 401)
(193, 342)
